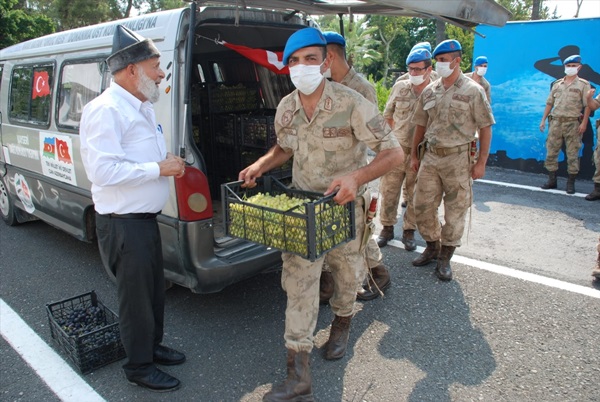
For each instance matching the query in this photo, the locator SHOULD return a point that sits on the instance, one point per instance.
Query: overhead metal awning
(466, 13)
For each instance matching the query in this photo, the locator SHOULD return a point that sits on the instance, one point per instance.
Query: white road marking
(526, 276)
(521, 186)
(48, 365)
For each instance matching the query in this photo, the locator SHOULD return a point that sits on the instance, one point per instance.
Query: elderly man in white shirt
(124, 154)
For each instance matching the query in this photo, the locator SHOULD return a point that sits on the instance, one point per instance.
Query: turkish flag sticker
(41, 86)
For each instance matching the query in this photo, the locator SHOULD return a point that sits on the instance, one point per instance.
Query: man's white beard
(147, 86)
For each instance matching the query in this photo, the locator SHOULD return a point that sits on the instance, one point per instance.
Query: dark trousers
(132, 249)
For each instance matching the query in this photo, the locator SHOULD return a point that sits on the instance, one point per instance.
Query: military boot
(377, 281)
(387, 234)
(596, 271)
(335, 348)
(443, 269)
(408, 239)
(595, 194)
(551, 183)
(298, 385)
(325, 287)
(429, 254)
(571, 184)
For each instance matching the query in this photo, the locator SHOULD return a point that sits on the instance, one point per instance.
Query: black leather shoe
(167, 356)
(157, 381)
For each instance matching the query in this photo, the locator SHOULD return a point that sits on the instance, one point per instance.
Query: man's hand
(414, 162)
(478, 170)
(346, 187)
(249, 175)
(582, 127)
(543, 125)
(590, 95)
(172, 166)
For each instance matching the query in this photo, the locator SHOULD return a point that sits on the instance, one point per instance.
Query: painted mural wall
(525, 58)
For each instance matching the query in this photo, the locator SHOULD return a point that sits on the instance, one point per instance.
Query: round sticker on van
(24, 193)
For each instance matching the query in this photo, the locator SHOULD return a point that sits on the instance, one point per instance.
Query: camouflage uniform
(400, 107)
(332, 144)
(485, 84)
(357, 82)
(596, 178)
(567, 101)
(451, 118)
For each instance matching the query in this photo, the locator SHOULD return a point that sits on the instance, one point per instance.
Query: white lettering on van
(24, 152)
(22, 139)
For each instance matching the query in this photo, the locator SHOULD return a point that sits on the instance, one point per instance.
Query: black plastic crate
(310, 230)
(225, 98)
(258, 131)
(87, 331)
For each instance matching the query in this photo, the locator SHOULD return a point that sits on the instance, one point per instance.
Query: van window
(30, 94)
(80, 82)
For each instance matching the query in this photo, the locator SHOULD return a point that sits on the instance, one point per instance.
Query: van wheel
(7, 208)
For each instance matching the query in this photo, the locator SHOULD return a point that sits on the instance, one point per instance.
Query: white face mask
(416, 79)
(443, 68)
(327, 73)
(306, 78)
(481, 71)
(570, 71)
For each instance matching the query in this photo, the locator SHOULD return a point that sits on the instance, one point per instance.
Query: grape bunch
(281, 221)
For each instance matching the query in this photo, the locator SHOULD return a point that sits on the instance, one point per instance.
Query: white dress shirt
(121, 146)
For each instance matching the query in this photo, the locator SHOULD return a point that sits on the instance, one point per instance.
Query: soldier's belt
(447, 151)
(563, 119)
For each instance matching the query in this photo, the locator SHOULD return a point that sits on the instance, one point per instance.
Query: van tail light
(193, 195)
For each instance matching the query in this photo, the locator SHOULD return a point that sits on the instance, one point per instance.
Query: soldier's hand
(347, 188)
(590, 95)
(414, 164)
(478, 170)
(542, 126)
(582, 128)
(249, 175)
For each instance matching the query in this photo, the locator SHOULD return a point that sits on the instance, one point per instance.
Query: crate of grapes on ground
(86, 330)
(300, 222)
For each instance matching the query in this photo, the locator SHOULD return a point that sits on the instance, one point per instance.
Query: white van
(216, 108)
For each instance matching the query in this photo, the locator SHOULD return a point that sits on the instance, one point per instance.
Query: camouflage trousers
(300, 280)
(557, 132)
(390, 187)
(447, 178)
(596, 178)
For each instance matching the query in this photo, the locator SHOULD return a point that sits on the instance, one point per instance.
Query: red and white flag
(266, 58)
(41, 86)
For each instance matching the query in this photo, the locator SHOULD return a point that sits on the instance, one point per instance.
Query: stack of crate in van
(241, 130)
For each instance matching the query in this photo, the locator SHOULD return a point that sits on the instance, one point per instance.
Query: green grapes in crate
(284, 224)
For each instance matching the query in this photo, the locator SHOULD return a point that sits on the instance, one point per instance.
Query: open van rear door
(466, 13)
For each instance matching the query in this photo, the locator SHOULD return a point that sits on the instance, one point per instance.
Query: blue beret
(447, 46)
(418, 55)
(573, 59)
(302, 38)
(422, 45)
(480, 60)
(334, 38)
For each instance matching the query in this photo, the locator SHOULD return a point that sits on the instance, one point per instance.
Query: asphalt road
(485, 336)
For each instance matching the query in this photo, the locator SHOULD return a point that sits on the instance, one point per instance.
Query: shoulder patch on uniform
(377, 126)
(404, 91)
(462, 98)
(286, 119)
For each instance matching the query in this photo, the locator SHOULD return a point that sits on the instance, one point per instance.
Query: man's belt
(140, 215)
(448, 151)
(563, 119)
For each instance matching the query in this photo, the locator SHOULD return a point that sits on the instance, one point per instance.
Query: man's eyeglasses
(416, 69)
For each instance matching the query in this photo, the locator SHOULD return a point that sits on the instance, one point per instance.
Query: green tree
(18, 24)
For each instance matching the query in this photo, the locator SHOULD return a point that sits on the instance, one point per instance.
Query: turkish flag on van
(266, 58)
(41, 86)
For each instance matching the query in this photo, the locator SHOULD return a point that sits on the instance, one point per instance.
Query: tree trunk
(535, 10)
(578, 7)
(440, 31)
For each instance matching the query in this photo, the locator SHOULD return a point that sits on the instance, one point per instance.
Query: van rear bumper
(192, 260)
